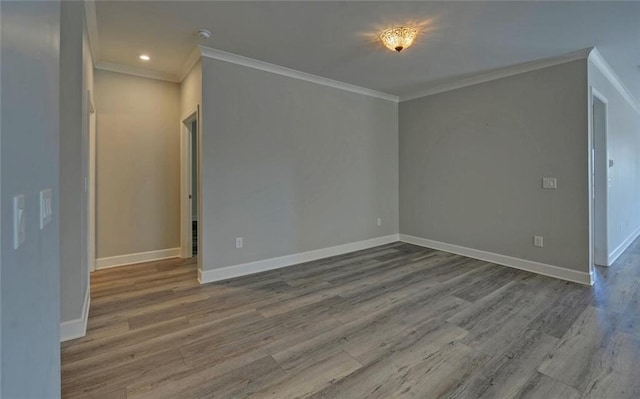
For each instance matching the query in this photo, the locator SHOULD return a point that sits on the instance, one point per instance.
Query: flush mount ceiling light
(144, 57)
(398, 38)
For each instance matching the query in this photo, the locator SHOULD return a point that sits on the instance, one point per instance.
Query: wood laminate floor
(392, 321)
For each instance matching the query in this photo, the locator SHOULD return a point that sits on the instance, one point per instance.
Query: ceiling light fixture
(398, 38)
(144, 57)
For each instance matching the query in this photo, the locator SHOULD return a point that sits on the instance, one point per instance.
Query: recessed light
(144, 57)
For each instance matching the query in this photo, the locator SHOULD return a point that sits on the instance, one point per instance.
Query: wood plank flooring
(389, 322)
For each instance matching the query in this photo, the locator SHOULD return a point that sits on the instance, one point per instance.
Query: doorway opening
(91, 247)
(190, 193)
(194, 186)
(600, 165)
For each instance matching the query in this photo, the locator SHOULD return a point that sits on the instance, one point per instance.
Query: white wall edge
(122, 260)
(135, 71)
(504, 260)
(292, 73)
(77, 328)
(613, 78)
(188, 64)
(224, 273)
(498, 74)
(615, 254)
(91, 23)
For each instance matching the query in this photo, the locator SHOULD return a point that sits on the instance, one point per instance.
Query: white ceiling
(337, 39)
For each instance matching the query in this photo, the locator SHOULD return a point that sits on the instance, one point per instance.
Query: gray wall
(138, 164)
(73, 198)
(472, 161)
(623, 145)
(30, 276)
(291, 166)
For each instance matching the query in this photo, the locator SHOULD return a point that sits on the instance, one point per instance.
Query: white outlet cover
(19, 224)
(550, 183)
(538, 241)
(46, 208)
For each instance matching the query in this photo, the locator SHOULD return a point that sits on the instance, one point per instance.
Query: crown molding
(189, 62)
(292, 73)
(498, 74)
(596, 58)
(130, 70)
(91, 23)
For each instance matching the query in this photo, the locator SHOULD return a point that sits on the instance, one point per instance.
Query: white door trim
(601, 258)
(91, 247)
(186, 234)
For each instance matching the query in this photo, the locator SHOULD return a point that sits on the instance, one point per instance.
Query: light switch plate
(549, 183)
(19, 225)
(46, 207)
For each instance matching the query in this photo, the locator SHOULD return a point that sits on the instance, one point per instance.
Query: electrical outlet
(538, 241)
(550, 183)
(239, 242)
(379, 222)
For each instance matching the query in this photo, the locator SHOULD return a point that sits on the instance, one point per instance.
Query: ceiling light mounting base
(203, 34)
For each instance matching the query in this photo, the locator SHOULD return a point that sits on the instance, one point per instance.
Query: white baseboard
(77, 328)
(121, 260)
(517, 263)
(209, 276)
(615, 254)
